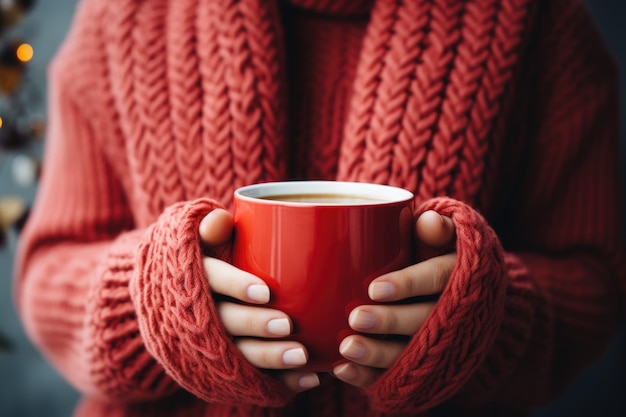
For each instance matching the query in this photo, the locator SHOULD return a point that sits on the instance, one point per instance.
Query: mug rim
(380, 194)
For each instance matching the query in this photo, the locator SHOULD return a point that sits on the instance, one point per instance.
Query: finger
(265, 354)
(366, 351)
(435, 230)
(244, 320)
(405, 319)
(356, 375)
(216, 227)
(231, 281)
(424, 278)
(299, 381)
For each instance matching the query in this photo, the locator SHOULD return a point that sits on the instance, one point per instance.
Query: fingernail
(294, 357)
(352, 349)
(361, 320)
(346, 372)
(381, 290)
(259, 293)
(309, 381)
(279, 327)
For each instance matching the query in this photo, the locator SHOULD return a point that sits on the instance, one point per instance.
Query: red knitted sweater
(499, 113)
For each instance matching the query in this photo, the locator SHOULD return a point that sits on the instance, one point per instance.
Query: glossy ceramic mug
(318, 245)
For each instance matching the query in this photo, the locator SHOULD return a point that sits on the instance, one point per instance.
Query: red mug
(318, 245)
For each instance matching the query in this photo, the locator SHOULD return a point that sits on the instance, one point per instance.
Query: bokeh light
(24, 52)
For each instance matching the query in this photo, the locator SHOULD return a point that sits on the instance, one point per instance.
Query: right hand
(252, 325)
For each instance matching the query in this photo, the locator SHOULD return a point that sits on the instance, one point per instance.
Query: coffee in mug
(324, 198)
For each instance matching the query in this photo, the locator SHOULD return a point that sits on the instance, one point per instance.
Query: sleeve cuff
(460, 330)
(177, 317)
(121, 368)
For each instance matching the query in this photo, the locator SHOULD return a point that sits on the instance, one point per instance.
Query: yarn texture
(501, 114)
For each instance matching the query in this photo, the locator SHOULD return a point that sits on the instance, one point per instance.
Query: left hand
(369, 357)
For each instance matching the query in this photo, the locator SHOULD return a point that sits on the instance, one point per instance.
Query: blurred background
(28, 385)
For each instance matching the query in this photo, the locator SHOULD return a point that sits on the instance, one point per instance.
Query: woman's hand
(252, 325)
(369, 357)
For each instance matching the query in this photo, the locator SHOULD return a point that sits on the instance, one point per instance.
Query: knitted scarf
(429, 88)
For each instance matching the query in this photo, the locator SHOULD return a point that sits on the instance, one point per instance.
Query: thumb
(435, 230)
(216, 227)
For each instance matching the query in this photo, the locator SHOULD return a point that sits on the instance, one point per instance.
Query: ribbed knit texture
(498, 113)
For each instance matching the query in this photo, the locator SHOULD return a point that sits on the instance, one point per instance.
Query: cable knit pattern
(468, 315)
(426, 96)
(112, 323)
(177, 318)
(498, 113)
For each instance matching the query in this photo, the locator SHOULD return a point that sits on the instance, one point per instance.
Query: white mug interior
(363, 193)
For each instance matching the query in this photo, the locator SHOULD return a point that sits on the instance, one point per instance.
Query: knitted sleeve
(123, 313)
(177, 317)
(514, 327)
(76, 257)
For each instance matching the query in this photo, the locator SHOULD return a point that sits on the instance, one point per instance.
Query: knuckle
(267, 358)
(442, 271)
(251, 324)
(385, 353)
(257, 353)
(378, 357)
(391, 321)
(436, 277)
(408, 283)
(225, 314)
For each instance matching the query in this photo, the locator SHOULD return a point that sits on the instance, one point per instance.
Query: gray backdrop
(29, 387)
